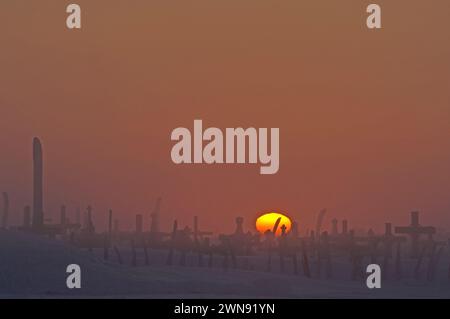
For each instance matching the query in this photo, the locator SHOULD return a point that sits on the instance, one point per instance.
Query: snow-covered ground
(33, 266)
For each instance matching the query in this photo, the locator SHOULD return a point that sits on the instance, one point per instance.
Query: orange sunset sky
(364, 116)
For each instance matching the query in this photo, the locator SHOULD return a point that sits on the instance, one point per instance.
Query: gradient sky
(364, 116)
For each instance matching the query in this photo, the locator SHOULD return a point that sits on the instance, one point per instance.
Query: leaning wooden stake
(326, 254)
(419, 263)
(305, 262)
(282, 247)
(434, 264)
(172, 244)
(119, 257)
(271, 239)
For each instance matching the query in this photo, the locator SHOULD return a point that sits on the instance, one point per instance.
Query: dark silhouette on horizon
(38, 192)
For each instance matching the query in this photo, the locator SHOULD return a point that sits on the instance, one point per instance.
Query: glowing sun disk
(267, 221)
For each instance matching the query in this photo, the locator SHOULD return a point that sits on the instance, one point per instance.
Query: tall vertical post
(344, 227)
(239, 223)
(38, 202)
(334, 227)
(78, 216)
(415, 234)
(415, 219)
(294, 229)
(388, 229)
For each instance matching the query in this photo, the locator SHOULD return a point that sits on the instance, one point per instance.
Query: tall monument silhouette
(38, 202)
(154, 226)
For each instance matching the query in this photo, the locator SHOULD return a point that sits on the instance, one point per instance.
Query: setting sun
(267, 221)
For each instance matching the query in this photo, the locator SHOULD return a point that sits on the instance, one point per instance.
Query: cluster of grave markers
(312, 255)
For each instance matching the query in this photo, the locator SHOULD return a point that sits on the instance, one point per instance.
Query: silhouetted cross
(414, 231)
(283, 230)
